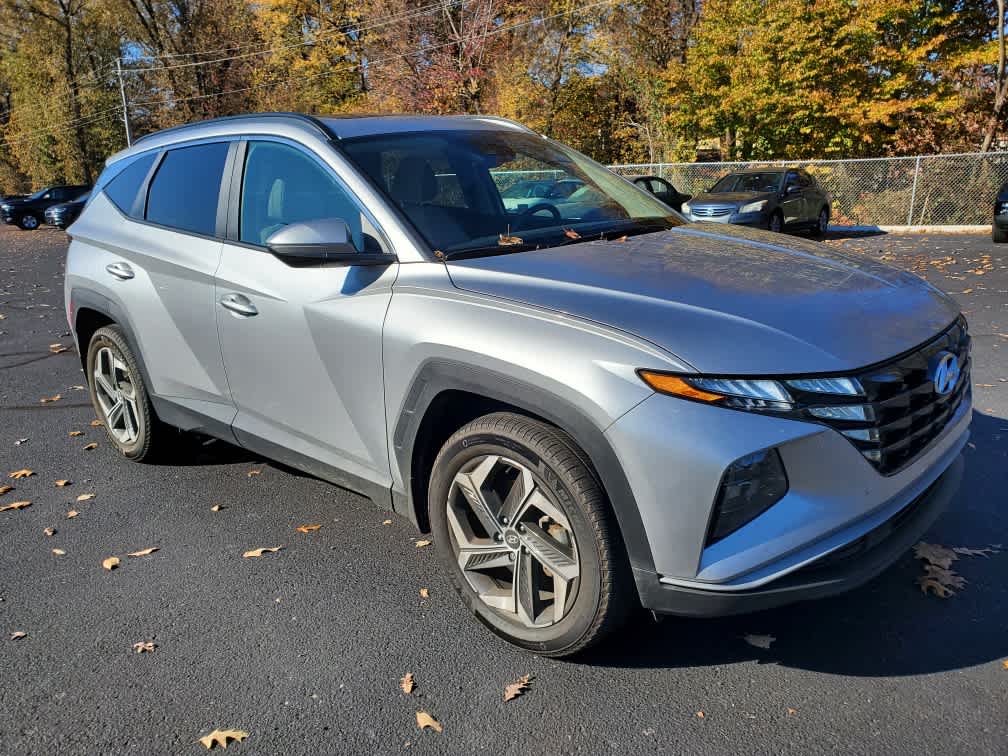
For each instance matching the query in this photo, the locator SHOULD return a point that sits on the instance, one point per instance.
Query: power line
(57, 130)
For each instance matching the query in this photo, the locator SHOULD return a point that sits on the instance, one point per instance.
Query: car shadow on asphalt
(887, 627)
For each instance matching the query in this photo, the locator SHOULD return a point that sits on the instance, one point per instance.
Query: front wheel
(822, 223)
(776, 222)
(524, 528)
(29, 222)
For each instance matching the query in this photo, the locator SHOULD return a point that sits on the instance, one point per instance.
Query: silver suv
(591, 403)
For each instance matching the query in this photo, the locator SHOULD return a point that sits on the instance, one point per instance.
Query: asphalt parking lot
(304, 648)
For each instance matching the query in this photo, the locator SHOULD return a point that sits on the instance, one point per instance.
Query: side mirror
(326, 240)
(792, 189)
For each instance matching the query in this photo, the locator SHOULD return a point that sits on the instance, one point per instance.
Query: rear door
(302, 343)
(793, 202)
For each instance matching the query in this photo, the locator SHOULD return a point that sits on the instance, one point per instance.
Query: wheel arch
(445, 395)
(92, 311)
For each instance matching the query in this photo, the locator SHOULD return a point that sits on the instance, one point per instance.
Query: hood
(731, 301)
(64, 206)
(729, 198)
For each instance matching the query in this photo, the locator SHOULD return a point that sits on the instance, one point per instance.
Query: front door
(302, 344)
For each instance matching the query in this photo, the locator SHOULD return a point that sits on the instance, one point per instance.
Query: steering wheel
(538, 208)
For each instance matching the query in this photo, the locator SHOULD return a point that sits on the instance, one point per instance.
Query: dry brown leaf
(49, 399)
(517, 688)
(144, 552)
(1005, 664)
(791, 712)
(97, 423)
(222, 738)
(307, 528)
(111, 563)
(426, 721)
(700, 714)
(74, 434)
(72, 513)
(570, 233)
(937, 555)
(254, 472)
(18, 635)
(967, 291)
(966, 551)
(49, 532)
(5, 489)
(384, 522)
(59, 552)
(61, 483)
(18, 474)
(85, 497)
(506, 240)
(422, 543)
(58, 348)
(216, 507)
(253, 553)
(144, 647)
(407, 683)
(89, 447)
(15, 505)
(621, 239)
(424, 593)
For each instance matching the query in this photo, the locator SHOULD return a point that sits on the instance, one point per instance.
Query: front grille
(711, 211)
(908, 412)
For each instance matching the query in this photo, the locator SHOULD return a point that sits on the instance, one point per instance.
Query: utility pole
(125, 105)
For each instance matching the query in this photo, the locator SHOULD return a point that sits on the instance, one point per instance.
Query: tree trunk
(1001, 84)
(75, 108)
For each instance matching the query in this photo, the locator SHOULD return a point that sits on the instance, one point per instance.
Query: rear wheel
(776, 222)
(119, 396)
(999, 235)
(524, 528)
(822, 223)
(29, 222)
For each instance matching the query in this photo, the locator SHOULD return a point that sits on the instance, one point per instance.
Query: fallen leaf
(966, 551)
(111, 563)
(791, 712)
(58, 348)
(260, 551)
(940, 581)
(5, 489)
(621, 239)
(21, 441)
(144, 552)
(49, 399)
(760, 641)
(506, 240)
(59, 552)
(62, 483)
(15, 505)
(1005, 664)
(407, 683)
(384, 522)
(254, 472)
(85, 497)
(424, 593)
(72, 513)
(222, 738)
(967, 291)
(937, 555)
(97, 423)
(425, 721)
(570, 233)
(144, 647)
(216, 507)
(307, 528)
(49, 532)
(421, 544)
(18, 635)
(89, 447)
(700, 714)
(73, 434)
(18, 474)
(517, 688)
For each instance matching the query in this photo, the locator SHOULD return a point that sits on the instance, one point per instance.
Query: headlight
(750, 486)
(753, 207)
(739, 393)
(686, 208)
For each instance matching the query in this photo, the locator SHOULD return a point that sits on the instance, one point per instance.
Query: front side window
(282, 185)
(123, 188)
(186, 188)
(495, 196)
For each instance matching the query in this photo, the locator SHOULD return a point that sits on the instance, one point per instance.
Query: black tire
(29, 222)
(822, 223)
(151, 432)
(999, 235)
(776, 222)
(606, 594)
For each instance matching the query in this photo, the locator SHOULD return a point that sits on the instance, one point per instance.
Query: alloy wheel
(823, 221)
(513, 543)
(29, 223)
(117, 396)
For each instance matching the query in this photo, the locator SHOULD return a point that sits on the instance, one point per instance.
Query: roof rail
(304, 117)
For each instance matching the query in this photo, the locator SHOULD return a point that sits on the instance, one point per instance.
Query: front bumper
(758, 219)
(674, 453)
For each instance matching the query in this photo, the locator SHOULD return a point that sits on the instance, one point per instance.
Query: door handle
(239, 304)
(120, 270)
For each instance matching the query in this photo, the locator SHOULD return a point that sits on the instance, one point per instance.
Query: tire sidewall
(780, 221)
(24, 219)
(569, 631)
(103, 338)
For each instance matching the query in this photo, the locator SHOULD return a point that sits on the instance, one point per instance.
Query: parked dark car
(29, 211)
(661, 189)
(534, 191)
(65, 213)
(999, 227)
(777, 199)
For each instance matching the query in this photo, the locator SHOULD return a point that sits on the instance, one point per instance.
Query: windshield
(749, 182)
(82, 197)
(39, 194)
(502, 190)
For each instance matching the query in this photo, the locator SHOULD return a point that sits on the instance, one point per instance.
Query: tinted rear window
(122, 189)
(184, 191)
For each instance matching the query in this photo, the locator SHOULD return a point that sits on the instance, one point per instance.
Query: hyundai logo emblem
(945, 373)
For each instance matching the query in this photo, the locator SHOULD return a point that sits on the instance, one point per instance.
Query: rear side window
(122, 189)
(184, 191)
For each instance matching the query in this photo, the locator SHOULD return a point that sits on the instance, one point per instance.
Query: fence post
(913, 192)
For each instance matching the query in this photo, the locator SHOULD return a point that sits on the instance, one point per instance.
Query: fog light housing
(750, 486)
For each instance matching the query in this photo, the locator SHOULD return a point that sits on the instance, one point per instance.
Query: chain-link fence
(925, 190)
